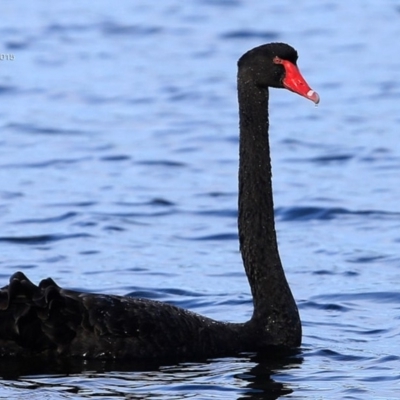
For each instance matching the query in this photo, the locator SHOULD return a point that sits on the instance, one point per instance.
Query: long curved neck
(275, 310)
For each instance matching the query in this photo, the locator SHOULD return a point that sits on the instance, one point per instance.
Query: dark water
(118, 155)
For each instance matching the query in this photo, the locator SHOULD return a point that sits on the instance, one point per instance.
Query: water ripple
(373, 297)
(116, 28)
(217, 237)
(326, 213)
(250, 34)
(325, 306)
(328, 353)
(46, 164)
(7, 89)
(161, 163)
(58, 218)
(41, 239)
(43, 130)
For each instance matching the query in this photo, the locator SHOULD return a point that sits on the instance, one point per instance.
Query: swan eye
(277, 60)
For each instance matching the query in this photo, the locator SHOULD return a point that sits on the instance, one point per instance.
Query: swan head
(275, 65)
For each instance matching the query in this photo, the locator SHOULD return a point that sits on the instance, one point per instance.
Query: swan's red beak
(295, 82)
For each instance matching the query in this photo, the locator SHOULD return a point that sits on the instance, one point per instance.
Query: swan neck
(274, 307)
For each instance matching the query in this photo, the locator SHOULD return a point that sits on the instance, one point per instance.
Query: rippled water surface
(118, 155)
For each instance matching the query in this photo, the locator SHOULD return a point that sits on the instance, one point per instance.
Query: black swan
(51, 321)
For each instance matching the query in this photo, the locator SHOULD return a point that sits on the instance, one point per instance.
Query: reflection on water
(244, 377)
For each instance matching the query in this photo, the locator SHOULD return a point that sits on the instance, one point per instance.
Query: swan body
(46, 319)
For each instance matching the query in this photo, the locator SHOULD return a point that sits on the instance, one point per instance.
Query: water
(118, 174)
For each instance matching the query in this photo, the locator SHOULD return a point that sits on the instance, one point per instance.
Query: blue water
(118, 172)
